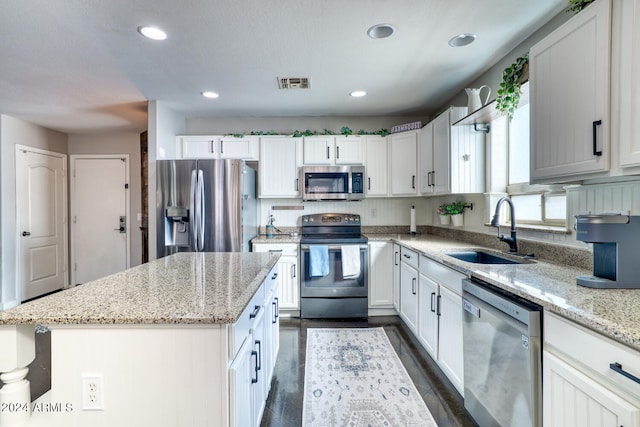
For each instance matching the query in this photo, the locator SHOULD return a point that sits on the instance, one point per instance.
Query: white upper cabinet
(333, 150)
(441, 154)
(569, 97)
(375, 166)
(217, 147)
(426, 159)
(403, 163)
(280, 158)
(627, 69)
(451, 157)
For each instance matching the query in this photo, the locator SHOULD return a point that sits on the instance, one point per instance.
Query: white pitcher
(474, 98)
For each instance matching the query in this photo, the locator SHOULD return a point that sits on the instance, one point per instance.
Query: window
(534, 204)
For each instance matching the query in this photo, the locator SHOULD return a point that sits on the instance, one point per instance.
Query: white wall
(374, 212)
(119, 143)
(13, 132)
(164, 125)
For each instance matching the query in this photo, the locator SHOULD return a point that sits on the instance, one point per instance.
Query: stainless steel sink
(480, 257)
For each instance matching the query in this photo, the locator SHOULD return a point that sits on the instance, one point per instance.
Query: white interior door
(99, 199)
(41, 202)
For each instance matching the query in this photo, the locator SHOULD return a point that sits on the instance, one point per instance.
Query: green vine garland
(346, 131)
(577, 5)
(509, 89)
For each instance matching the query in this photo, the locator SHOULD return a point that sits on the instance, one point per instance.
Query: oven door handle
(333, 247)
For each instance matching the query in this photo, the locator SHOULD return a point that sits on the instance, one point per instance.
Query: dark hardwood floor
(284, 406)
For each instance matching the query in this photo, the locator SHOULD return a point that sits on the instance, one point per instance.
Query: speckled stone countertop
(613, 312)
(185, 288)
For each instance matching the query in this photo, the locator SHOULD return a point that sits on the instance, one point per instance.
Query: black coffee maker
(616, 259)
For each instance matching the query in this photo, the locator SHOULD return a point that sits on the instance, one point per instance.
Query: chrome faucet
(495, 222)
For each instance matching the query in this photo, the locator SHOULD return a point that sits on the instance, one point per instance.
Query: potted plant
(455, 211)
(445, 217)
(509, 90)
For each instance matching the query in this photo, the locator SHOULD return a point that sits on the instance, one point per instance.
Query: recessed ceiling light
(209, 94)
(153, 33)
(381, 31)
(462, 40)
(358, 93)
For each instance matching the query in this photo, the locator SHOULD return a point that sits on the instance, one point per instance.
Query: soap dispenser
(270, 228)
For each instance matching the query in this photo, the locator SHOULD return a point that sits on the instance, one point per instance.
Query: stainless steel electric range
(334, 264)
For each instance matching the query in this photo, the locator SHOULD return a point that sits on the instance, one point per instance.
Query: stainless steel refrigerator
(205, 206)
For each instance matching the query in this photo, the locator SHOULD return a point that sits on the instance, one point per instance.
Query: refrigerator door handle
(192, 210)
(200, 210)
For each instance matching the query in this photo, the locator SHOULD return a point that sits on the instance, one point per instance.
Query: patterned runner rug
(354, 378)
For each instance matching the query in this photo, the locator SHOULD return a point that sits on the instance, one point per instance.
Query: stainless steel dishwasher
(502, 357)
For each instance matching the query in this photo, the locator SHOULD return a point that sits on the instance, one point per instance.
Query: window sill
(552, 229)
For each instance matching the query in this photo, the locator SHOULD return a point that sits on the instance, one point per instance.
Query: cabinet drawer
(240, 330)
(593, 352)
(284, 248)
(445, 276)
(271, 281)
(409, 256)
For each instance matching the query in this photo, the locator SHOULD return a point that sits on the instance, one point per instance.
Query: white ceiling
(80, 66)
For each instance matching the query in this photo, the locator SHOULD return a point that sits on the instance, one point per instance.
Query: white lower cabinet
(288, 274)
(381, 292)
(254, 343)
(396, 277)
(580, 386)
(440, 318)
(409, 295)
(431, 306)
(428, 322)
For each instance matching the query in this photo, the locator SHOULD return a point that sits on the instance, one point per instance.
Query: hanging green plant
(577, 5)
(509, 89)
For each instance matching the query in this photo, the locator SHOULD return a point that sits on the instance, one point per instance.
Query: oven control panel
(331, 219)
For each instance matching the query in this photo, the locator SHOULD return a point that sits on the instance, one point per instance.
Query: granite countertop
(185, 288)
(277, 238)
(612, 312)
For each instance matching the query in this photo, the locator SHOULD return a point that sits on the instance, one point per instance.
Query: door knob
(26, 233)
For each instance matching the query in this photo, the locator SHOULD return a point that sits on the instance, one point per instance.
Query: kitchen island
(160, 341)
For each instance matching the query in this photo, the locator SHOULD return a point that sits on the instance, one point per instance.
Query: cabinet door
(409, 295)
(573, 399)
(403, 155)
(428, 315)
(628, 70)
(241, 373)
(450, 356)
(426, 159)
(348, 150)
(380, 274)
(198, 147)
(467, 160)
(318, 150)
(289, 283)
(441, 151)
(259, 352)
(279, 161)
(376, 166)
(569, 97)
(245, 148)
(396, 277)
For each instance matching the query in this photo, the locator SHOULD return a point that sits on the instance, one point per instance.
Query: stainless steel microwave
(332, 182)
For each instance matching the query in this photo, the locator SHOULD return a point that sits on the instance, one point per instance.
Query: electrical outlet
(92, 393)
(374, 213)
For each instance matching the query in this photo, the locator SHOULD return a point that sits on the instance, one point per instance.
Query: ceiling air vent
(294, 82)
